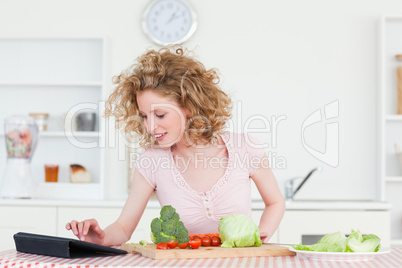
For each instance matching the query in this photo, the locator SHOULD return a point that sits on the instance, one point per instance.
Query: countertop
(13, 258)
(256, 204)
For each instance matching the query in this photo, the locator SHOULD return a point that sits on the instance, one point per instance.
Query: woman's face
(163, 117)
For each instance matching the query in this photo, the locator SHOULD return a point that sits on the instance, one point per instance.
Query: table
(14, 259)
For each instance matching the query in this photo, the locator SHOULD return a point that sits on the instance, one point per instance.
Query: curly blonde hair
(171, 73)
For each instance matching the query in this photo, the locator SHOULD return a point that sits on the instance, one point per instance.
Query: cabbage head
(238, 230)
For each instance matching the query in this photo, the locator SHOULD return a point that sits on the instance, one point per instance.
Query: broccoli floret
(181, 233)
(176, 216)
(156, 225)
(167, 212)
(182, 236)
(153, 238)
(162, 237)
(169, 227)
(180, 225)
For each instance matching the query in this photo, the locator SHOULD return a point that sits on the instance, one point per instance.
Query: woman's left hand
(263, 236)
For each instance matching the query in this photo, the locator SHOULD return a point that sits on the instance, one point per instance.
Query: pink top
(201, 212)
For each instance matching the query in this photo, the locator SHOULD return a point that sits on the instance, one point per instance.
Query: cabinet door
(105, 217)
(307, 225)
(256, 217)
(14, 219)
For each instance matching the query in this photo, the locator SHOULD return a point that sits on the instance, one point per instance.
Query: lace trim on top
(181, 182)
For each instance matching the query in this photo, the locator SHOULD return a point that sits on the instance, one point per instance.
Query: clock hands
(173, 17)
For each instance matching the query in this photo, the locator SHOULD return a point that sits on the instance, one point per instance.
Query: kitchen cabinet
(390, 122)
(308, 226)
(14, 219)
(50, 217)
(61, 77)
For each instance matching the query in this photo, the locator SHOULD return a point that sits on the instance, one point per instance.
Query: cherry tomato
(195, 237)
(206, 241)
(215, 241)
(172, 244)
(195, 243)
(183, 245)
(161, 245)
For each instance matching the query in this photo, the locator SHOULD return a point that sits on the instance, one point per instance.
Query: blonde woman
(190, 162)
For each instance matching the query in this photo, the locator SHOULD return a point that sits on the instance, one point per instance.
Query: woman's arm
(269, 190)
(121, 230)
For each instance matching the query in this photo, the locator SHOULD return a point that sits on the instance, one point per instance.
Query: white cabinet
(51, 219)
(390, 122)
(305, 225)
(61, 77)
(14, 219)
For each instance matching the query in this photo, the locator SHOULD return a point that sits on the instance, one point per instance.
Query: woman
(174, 104)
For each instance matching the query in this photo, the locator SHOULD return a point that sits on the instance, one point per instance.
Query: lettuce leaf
(338, 242)
(338, 239)
(238, 230)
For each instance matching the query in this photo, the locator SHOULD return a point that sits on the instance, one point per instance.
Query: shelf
(393, 179)
(71, 191)
(60, 134)
(78, 134)
(394, 117)
(53, 84)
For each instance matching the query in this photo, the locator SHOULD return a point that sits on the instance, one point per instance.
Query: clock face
(169, 21)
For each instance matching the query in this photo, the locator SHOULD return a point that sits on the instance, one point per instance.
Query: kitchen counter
(13, 258)
(256, 205)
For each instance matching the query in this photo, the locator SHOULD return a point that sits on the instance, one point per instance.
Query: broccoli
(167, 212)
(156, 225)
(176, 216)
(168, 227)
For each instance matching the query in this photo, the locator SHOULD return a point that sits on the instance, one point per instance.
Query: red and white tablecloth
(14, 259)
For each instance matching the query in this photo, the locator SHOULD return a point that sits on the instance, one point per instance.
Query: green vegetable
(238, 230)
(143, 242)
(338, 242)
(168, 227)
(337, 239)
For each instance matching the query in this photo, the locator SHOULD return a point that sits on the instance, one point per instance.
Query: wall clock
(169, 21)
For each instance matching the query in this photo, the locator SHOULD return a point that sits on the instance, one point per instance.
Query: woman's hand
(87, 230)
(263, 236)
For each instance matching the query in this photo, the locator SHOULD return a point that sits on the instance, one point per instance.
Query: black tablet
(61, 247)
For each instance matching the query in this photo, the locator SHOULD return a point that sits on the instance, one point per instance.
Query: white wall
(276, 57)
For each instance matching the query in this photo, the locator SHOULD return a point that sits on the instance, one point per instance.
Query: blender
(21, 136)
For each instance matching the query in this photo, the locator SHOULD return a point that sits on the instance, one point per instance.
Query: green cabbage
(338, 242)
(238, 230)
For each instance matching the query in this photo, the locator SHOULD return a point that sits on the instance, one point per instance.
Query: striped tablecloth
(14, 259)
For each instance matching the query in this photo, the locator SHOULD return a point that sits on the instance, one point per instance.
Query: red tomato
(206, 241)
(161, 245)
(195, 243)
(195, 237)
(172, 244)
(215, 241)
(183, 245)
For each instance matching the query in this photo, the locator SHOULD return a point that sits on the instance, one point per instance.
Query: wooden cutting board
(150, 251)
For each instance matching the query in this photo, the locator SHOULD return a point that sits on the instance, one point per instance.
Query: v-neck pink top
(201, 212)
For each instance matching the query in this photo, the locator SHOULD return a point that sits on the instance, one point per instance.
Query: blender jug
(21, 136)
